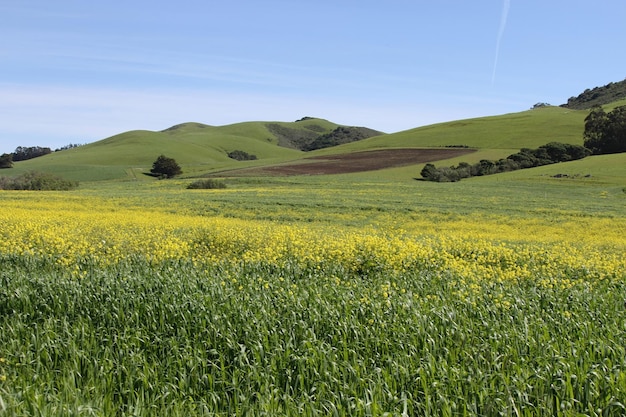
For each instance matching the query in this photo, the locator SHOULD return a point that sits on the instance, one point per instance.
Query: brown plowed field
(356, 162)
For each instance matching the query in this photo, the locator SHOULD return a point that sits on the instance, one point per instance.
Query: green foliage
(165, 167)
(206, 184)
(605, 133)
(6, 160)
(241, 156)
(598, 96)
(295, 137)
(550, 153)
(38, 181)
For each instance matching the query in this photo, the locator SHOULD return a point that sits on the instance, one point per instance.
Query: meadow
(344, 295)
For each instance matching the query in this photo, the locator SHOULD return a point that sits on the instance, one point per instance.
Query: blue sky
(78, 71)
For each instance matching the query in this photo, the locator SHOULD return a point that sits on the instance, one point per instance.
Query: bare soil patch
(356, 162)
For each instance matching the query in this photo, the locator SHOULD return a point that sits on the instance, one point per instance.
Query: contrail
(503, 18)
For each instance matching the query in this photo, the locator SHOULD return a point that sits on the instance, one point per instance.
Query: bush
(207, 184)
(38, 181)
(241, 156)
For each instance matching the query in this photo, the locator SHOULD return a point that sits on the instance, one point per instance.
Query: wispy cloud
(503, 19)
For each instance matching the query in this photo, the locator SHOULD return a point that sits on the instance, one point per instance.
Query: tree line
(24, 153)
(526, 158)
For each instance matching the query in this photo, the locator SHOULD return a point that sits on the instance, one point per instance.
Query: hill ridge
(597, 96)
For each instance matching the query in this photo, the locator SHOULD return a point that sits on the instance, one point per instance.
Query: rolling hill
(197, 147)
(203, 149)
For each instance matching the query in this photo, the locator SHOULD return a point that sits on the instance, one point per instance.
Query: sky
(75, 71)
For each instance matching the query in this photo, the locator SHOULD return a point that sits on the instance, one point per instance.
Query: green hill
(196, 147)
(494, 137)
(513, 131)
(203, 149)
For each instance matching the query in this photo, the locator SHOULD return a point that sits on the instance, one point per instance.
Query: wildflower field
(308, 297)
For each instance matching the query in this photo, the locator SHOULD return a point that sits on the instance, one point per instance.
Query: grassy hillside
(513, 131)
(202, 149)
(197, 148)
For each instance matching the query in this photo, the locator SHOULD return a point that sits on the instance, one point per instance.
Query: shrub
(206, 184)
(550, 153)
(241, 156)
(38, 181)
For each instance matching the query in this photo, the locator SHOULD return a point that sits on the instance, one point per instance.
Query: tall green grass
(248, 340)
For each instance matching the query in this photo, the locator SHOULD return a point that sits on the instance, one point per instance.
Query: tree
(595, 124)
(606, 133)
(165, 167)
(6, 160)
(615, 133)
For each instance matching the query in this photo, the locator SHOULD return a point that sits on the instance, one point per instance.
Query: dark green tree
(615, 133)
(165, 167)
(6, 160)
(606, 132)
(595, 124)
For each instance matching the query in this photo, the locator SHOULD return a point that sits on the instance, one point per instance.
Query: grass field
(366, 294)
(361, 294)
